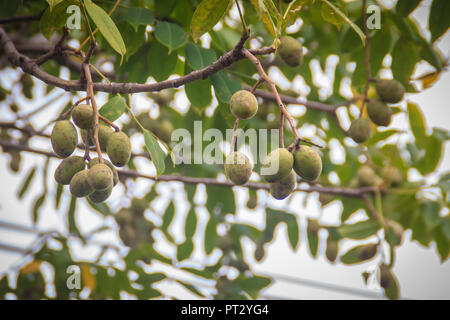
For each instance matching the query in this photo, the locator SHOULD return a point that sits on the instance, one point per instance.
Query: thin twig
(233, 140)
(87, 157)
(366, 57)
(65, 114)
(109, 122)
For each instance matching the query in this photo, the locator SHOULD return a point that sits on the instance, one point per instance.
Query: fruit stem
(244, 25)
(233, 139)
(87, 157)
(91, 95)
(366, 57)
(109, 122)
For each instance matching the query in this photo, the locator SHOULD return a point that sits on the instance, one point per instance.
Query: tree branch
(347, 192)
(29, 66)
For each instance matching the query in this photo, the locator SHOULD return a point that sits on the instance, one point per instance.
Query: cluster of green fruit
(388, 91)
(97, 181)
(390, 177)
(283, 164)
(133, 227)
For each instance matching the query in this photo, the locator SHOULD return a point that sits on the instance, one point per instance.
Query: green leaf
(206, 16)
(106, 26)
(198, 92)
(26, 183)
(157, 53)
(99, 207)
(433, 154)
(293, 230)
(113, 108)
(359, 230)
(167, 220)
(156, 153)
(53, 3)
(264, 16)
(73, 229)
(191, 224)
(137, 16)
(336, 15)
(442, 243)
(197, 57)
(191, 288)
(405, 7)
(417, 124)
(273, 11)
(171, 35)
(210, 235)
(392, 292)
(253, 285)
(224, 87)
(438, 20)
(354, 256)
(54, 17)
(58, 195)
(313, 243)
(404, 58)
(184, 250)
(37, 205)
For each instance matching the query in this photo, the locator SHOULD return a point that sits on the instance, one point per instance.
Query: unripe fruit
(119, 149)
(67, 169)
(243, 104)
(392, 176)
(238, 168)
(100, 195)
(104, 132)
(325, 198)
(331, 251)
(379, 113)
(360, 130)
(127, 235)
(277, 165)
(390, 91)
(124, 216)
(64, 138)
(27, 85)
(367, 252)
(100, 177)
(283, 188)
(386, 277)
(366, 177)
(307, 163)
(290, 50)
(83, 116)
(252, 201)
(224, 243)
(95, 161)
(79, 185)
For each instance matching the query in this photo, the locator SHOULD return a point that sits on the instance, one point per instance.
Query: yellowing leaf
(206, 16)
(429, 79)
(88, 279)
(264, 15)
(32, 267)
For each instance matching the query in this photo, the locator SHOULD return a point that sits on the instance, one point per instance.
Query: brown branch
(233, 139)
(87, 157)
(29, 65)
(91, 95)
(366, 56)
(109, 122)
(31, 17)
(347, 192)
(53, 51)
(65, 114)
(373, 212)
(271, 85)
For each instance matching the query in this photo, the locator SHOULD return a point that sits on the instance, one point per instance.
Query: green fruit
(119, 149)
(252, 200)
(325, 198)
(392, 176)
(243, 104)
(331, 251)
(386, 277)
(100, 195)
(104, 132)
(390, 91)
(290, 50)
(224, 243)
(138, 205)
(95, 161)
(83, 116)
(283, 188)
(379, 113)
(277, 165)
(128, 235)
(366, 177)
(124, 216)
(67, 169)
(307, 163)
(64, 138)
(27, 85)
(367, 252)
(238, 168)
(360, 130)
(79, 185)
(100, 177)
